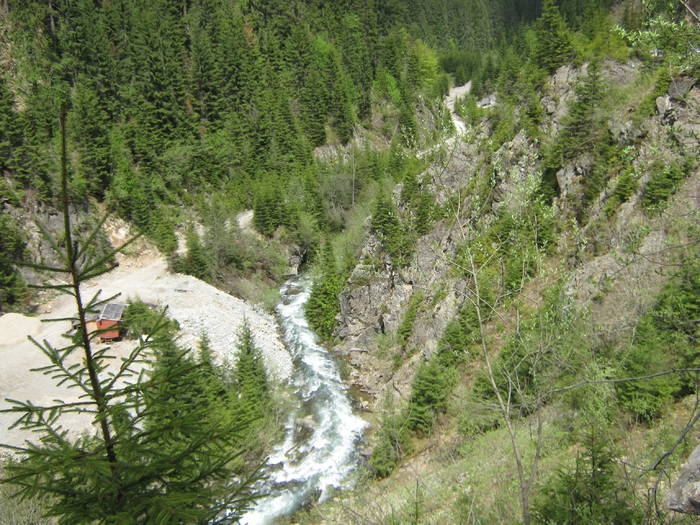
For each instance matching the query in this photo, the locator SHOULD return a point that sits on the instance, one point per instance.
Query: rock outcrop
(378, 294)
(684, 496)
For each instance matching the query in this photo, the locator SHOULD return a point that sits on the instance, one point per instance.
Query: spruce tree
(12, 287)
(590, 491)
(342, 107)
(553, 46)
(323, 304)
(205, 356)
(428, 396)
(579, 124)
(91, 137)
(28, 160)
(196, 260)
(250, 377)
(162, 230)
(204, 78)
(386, 223)
(10, 134)
(424, 212)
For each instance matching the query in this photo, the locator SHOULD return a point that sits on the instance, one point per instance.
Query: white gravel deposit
(197, 306)
(201, 308)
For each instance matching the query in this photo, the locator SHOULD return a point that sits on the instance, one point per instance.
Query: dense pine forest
(507, 277)
(169, 102)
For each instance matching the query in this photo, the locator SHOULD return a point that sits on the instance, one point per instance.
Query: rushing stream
(321, 435)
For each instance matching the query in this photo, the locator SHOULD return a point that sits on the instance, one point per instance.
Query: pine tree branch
(625, 379)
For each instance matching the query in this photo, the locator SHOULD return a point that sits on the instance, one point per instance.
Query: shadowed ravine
(321, 435)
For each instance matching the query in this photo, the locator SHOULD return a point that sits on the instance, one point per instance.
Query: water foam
(301, 470)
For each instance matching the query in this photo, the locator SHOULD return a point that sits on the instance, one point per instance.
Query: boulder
(624, 131)
(684, 495)
(572, 174)
(680, 87)
(664, 106)
(487, 102)
(515, 164)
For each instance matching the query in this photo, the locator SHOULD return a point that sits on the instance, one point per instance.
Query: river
(321, 435)
(320, 446)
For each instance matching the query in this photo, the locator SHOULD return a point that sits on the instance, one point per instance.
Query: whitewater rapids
(320, 447)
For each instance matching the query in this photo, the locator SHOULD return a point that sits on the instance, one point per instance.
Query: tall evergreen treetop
(553, 48)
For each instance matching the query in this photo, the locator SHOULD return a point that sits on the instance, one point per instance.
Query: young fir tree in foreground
(148, 461)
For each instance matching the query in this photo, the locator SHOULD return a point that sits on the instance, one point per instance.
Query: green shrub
(425, 213)
(469, 111)
(9, 193)
(536, 356)
(627, 186)
(503, 127)
(162, 230)
(479, 417)
(610, 160)
(462, 333)
(12, 287)
(647, 398)
(647, 105)
(582, 128)
(393, 444)
(663, 183)
(196, 262)
(396, 241)
(139, 319)
(665, 338)
(591, 491)
(406, 326)
(323, 304)
(429, 392)
(553, 45)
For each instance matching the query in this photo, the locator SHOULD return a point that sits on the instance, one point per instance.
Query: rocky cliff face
(478, 185)
(685, 494)
(32, 217)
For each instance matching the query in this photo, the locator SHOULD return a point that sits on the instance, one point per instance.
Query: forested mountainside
(172, 101)
(509, 280)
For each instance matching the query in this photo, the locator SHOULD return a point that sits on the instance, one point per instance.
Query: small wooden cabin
(107, 322)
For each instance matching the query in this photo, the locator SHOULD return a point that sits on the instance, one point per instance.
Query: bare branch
(625, 379)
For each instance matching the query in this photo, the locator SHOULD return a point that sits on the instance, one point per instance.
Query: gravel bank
(197, 306)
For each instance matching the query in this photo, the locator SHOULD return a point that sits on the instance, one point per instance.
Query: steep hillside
(379, 295)
(560, 255)
(191, 113)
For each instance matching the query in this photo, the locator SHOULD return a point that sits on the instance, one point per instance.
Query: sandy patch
(197, 306)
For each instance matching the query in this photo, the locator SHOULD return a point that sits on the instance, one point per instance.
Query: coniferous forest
(491, 211)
